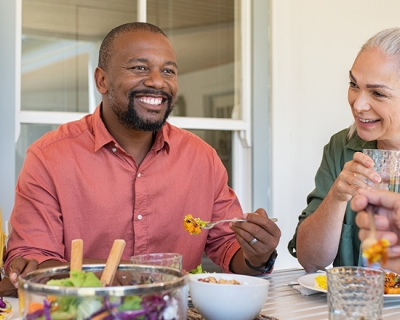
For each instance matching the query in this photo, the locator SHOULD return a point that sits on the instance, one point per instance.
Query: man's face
(142, 80)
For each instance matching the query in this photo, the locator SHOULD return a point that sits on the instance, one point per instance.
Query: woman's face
(374, 97)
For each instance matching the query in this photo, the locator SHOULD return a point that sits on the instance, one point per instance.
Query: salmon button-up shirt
(78, 183)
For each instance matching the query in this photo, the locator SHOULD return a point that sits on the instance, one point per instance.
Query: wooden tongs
(114, 257)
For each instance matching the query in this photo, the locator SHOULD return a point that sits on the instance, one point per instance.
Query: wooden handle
(112, 262)
(76, 255)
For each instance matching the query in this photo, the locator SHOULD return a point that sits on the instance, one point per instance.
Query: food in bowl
(193, 225)
(216, 301)
(220, 280)
(148, 291)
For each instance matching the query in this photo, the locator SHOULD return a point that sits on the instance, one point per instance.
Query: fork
(210, 225)
(371, 239)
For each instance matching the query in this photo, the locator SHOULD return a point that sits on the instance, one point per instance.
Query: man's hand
(18, 266)
(258, 237)
(387, 205)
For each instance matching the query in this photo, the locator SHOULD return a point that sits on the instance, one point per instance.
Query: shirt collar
(355, 143)
(102, 137)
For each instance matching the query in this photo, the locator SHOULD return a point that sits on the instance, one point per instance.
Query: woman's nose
(359, 102)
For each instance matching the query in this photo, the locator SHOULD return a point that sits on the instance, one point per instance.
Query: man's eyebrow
(369, 86)
(145, 60)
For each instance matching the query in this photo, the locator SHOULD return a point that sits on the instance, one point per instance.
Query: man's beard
(132, 120)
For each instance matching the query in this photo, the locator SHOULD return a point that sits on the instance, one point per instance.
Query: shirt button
(139, 217)
(139, 174)
(114, 150)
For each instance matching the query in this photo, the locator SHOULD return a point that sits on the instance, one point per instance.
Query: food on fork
(377, 252)
(193, 225)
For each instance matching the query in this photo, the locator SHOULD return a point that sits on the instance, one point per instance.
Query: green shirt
(337, 152)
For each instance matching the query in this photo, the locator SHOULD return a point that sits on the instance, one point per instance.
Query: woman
(326, 232)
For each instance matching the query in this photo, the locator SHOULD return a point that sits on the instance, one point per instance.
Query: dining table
(286, 302)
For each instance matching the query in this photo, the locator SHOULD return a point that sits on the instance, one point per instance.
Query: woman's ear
(100, 77)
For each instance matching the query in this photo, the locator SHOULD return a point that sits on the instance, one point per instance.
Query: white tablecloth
(285, 302)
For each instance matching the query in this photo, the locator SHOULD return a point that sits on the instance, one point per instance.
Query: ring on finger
(253, 241)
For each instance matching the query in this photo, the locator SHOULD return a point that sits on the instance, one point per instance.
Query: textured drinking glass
(387, 164)
(355, 293)
(173, 260)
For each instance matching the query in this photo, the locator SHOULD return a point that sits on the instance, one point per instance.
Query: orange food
(34, 306)
(377, 252)
(392, 283)
(193, 225)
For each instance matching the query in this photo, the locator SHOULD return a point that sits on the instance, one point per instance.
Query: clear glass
(355, 293)
(387, 164)
(169, 259)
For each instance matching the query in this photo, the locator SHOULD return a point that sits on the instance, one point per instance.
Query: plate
(308, 281)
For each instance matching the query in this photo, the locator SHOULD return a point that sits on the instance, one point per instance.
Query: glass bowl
(146, 292)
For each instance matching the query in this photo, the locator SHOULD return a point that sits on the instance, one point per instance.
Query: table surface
(285, 302)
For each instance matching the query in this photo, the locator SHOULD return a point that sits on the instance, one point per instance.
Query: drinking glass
(355, 293)
(170, 259)
(387, 165)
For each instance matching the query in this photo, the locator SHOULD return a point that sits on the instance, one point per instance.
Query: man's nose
(154, 79)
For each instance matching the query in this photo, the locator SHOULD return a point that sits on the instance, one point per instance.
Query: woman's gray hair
(388, 41)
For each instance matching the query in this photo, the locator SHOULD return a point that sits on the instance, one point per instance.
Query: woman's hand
(354, 176)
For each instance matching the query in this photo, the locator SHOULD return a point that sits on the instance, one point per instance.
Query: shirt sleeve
(331, 165)
(36, 218)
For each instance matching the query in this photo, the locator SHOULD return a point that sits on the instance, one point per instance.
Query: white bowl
(228, 301)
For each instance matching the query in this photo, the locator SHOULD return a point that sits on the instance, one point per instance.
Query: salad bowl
(145, 292)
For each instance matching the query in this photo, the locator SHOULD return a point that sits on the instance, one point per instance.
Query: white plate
(308, 281)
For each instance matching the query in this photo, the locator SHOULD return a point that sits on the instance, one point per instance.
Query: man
(387, 220)
(123, 172)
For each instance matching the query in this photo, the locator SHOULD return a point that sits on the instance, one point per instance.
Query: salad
(193, 225)
(148, 307)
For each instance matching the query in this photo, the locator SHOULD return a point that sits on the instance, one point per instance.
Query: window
(60, 44)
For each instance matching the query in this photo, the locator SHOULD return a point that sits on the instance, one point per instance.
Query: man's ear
(100, 77)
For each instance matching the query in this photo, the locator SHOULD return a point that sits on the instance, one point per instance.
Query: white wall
(314, 43)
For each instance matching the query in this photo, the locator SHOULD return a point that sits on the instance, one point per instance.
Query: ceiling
(202, 31)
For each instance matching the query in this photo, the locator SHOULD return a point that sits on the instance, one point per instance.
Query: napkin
(304, 291)
(193, 314)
